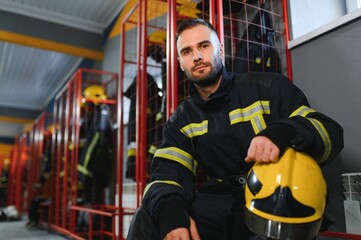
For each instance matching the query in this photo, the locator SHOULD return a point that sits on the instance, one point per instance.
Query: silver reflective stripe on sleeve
(304, 111)
(177, 155)
(195, 129)
(253, 113)
(161, 181)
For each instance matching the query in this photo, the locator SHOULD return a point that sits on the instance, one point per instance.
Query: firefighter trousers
(218, 217)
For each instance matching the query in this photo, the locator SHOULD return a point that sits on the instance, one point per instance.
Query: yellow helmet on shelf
(286, 199)
(6, 164)
(95, 93)
(159, 36)
(50, 128)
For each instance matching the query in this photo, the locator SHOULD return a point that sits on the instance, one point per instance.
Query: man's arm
(295, 124)
(168, 196)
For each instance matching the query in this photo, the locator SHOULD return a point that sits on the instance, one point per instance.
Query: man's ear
(221, 51)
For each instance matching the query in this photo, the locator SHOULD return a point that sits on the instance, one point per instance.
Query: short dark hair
(192, 22)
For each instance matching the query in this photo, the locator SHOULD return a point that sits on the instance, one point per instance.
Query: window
(309, 18)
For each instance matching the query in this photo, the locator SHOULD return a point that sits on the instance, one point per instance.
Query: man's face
(200, 54)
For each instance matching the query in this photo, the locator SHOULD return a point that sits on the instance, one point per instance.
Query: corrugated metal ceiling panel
(90, 15)
(30, 77)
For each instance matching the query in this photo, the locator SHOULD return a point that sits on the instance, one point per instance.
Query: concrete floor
(16, 230)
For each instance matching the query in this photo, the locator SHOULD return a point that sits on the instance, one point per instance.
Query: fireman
(226, 124)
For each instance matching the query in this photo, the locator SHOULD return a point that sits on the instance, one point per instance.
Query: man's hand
(262, 149)
(183, 233)
(178, 234)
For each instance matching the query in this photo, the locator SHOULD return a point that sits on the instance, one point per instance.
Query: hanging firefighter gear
(45, 164)
(153, 126)
(257, 51)
(4, 178)
(227, 6)
(97, 156)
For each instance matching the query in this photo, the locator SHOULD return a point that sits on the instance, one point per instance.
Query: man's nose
(197, 56)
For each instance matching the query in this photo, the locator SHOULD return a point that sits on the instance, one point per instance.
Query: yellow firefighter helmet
(50, 128)
(286, 199)
(6, 164)
(95, 93)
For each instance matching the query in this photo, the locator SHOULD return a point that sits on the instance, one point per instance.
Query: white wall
(327, 69)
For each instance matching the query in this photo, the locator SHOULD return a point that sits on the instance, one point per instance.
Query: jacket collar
(219, 95)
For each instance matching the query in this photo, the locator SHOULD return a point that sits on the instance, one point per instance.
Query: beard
(206, 79)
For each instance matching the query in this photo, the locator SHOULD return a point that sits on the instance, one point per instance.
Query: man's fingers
(178, 234)
(265, 154)
(262, 149)
(251, 152)
(274, 154)
(194, 231)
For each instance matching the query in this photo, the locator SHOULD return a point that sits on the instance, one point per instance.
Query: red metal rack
(37, 137)
(144, 19)
(340, 235)
(17, 194)
(142, 65)
(3, 188)
(70, 111)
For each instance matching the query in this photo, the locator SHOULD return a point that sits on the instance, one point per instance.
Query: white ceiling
(30, 77)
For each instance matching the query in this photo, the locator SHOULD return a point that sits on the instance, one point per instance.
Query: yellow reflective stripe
(177, 155)
(325, 138)
(84, 171)
(90, 149)
(159, 116)
(250, 112)
(161, 181)
(304, 111)
(253, 113)
(3, 179)
(152, 149)
(71, 146)
(195, 129)
(131, 152)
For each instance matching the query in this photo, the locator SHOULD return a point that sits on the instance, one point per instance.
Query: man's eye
(185, 53)
(205, 45)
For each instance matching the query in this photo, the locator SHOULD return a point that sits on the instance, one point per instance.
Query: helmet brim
(280, 230)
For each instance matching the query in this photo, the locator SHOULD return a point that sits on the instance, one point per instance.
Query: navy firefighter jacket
(215, 134)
